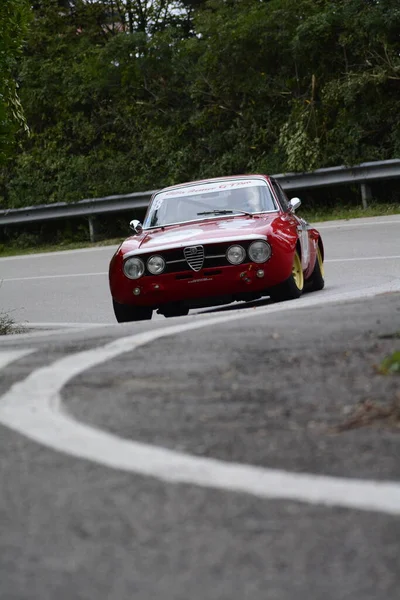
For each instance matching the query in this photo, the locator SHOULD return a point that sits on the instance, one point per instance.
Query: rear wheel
(293, 286)
(317, 280)
(126, 312)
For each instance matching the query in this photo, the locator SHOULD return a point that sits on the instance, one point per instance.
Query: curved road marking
(9, 356)
(33, 407)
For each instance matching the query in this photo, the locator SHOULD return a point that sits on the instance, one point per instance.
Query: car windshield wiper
(225, 212)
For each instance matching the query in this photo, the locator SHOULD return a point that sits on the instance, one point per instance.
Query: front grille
(194, 257)
(213, 256)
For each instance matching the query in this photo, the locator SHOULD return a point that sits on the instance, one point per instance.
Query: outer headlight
(235, 255)
(259, 252)
(133, 267)
(156, 265)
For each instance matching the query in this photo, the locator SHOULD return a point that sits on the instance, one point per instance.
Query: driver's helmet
(253, 199)
(246, 199)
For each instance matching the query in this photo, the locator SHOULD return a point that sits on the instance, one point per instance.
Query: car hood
(208, 232)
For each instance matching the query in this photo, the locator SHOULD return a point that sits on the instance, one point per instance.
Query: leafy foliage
(14, 16)
(9, 326)
(123, 96)
(391, 364)
(6, 324)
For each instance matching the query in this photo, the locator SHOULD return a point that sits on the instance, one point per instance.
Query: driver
(247, 199)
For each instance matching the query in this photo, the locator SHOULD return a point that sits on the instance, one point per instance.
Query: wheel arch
(321, 247)
(297, 248)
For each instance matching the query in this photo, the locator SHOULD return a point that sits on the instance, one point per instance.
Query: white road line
(63, 276)
(9, 356)
(354, 223)
(359, 258)
(33, 407)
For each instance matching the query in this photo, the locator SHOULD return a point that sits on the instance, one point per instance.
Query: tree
(14, 17)
(348, 59)
(129, 95)
(98, 99)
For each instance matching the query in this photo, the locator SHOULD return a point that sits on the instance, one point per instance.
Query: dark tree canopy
(124, 95)
(14, 16)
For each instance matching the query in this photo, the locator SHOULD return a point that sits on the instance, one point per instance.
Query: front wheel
(293, 287)
(317, 280)
(125, 312)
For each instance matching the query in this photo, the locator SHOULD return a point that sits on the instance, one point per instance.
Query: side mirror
(294, 204)
(136, 226)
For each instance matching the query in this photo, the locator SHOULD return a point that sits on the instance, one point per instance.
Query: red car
(212, 242)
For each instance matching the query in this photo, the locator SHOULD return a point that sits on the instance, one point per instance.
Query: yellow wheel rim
(297, 272)
(320, 262)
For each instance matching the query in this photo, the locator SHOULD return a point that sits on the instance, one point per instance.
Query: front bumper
(231, 282)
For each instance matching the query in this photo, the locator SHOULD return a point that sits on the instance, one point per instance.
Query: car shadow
(237, 306)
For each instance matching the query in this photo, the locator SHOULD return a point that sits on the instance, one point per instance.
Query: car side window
(283, 201)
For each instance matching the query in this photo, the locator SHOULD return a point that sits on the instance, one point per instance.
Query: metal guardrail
(82, 208)
(361, 174)
(364, 173)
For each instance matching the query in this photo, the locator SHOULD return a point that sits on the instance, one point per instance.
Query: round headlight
(156, 265)
(133, 268)
(259, 252)
(235, 255)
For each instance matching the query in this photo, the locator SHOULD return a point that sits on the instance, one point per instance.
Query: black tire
(317, 281)
(174, 310)
(125, 312)
(293, 287)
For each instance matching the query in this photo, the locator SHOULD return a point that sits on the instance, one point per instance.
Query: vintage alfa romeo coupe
(212, 242)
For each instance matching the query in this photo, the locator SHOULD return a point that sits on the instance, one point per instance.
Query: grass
(349, 212)
(368, 413)
(312, 215)
(390, 364)
(15, 250)
(8, 325)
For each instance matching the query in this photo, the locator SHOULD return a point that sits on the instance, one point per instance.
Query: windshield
(205, 200)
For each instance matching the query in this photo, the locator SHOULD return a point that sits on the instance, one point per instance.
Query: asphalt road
(72, 287)
(234, 454)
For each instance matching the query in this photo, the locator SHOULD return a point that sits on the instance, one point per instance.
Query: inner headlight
(235, 255)
(156, 265)
(259, 252)
(133, 267)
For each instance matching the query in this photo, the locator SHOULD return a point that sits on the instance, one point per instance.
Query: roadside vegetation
(338, 212)
(131, 96)
(14, 19)
(17, 250)
(370, 413)
(9, 326)
(391, 364)
(6, 324)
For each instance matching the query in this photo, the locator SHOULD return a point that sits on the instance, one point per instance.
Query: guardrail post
(366, 194)
(92, 229)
